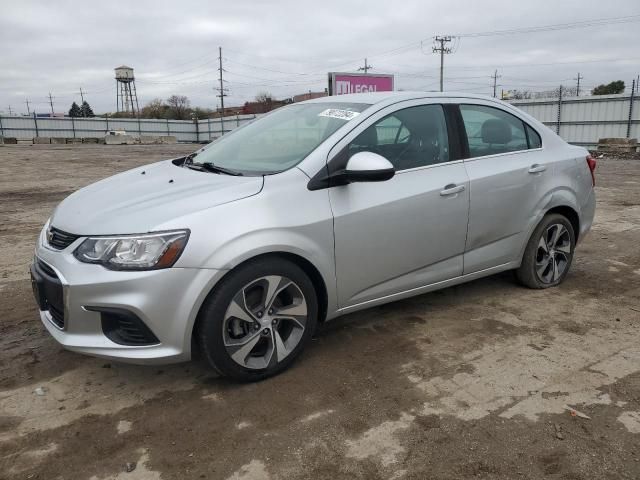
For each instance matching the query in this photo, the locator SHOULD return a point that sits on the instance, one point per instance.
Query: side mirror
(368, 167)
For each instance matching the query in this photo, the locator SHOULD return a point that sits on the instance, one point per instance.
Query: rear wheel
(549, 253)
(258, 320)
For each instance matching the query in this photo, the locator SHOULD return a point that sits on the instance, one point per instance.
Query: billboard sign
(343, 83)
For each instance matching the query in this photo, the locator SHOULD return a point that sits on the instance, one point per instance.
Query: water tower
(126, 96)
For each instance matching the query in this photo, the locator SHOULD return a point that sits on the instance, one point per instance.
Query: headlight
(134, 252)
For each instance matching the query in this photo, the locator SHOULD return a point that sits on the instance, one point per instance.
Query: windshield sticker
(339, 113)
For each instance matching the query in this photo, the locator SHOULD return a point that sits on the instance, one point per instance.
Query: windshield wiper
(210, 167)
(188, 160)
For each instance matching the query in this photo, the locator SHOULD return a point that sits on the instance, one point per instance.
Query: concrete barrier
(58, 141)
(139, 140)
(119, 140)
(74, 140)
(90, 140)
(8, 140)
(41, 140)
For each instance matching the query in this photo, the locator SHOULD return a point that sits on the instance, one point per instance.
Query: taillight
(592, 168)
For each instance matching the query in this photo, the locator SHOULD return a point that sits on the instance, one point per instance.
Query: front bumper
(167, 301)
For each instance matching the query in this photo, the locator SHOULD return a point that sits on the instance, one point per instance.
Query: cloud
(287, 47)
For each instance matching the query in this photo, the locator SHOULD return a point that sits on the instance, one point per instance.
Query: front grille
(48, 290)
(46, 269)
(59, 239)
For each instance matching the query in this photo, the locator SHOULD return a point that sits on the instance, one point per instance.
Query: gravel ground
(475, 381)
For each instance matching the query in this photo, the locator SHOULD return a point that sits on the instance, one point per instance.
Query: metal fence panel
(184, 130)
(585, 120)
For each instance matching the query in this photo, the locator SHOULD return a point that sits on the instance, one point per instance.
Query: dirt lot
(470, 382)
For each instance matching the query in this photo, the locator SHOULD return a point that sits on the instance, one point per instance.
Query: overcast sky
(288, 46)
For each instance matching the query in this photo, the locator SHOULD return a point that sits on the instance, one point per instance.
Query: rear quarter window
(534, 138)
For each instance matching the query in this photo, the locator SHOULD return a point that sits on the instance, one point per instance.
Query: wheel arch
(570, 214)
(307, 267)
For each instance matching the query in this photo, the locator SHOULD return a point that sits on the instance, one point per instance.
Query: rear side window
(534, 139)
(491, 131)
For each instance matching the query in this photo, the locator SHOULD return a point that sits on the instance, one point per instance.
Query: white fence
(579, 120)
(584, 120)
(184, 130)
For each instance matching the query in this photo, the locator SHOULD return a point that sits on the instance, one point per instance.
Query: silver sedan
(315, 210)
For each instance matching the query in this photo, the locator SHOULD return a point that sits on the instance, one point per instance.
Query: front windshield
(280, 140)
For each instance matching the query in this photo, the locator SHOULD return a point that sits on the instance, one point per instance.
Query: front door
(409, 231)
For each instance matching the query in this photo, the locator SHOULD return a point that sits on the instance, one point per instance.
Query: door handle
(451, 189)
(537, 168)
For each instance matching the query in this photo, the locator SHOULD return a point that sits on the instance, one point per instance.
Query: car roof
(374, 98)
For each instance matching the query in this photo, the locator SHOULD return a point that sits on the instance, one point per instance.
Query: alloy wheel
(264, 322)
(553, 254)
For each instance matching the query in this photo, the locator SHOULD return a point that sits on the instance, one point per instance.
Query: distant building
(309, 96)
(263, 107)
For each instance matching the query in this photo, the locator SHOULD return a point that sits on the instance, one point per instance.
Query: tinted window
(534, 138)
(491, 130)
(409, 138)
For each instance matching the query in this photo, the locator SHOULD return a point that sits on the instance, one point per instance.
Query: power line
(442, 50)
(557, 26)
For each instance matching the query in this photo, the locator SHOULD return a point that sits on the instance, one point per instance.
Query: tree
(85, 110)
(609, 89)
(74, 111)
(179, 107)
(264, 101)
(154, 109)
(518, 94)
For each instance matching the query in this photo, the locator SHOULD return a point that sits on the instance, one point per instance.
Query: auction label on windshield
(338, 113)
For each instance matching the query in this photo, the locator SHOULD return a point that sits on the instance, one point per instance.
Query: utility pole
(366, 67)
(51, 103)
(81, 94)
(495, 77)
(28, 109)
(580, 77)
(221, 90)
(442, 50)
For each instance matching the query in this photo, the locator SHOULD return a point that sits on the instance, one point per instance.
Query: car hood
(139, 200)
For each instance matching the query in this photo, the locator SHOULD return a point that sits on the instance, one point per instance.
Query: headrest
(496, 131)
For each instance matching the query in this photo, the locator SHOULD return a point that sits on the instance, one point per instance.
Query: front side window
(279, 140)
(409, 138)
(491, 131)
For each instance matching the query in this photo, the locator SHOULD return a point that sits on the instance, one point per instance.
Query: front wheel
(549, 253)
(258, 319)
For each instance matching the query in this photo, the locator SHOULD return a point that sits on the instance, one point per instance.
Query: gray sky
(287, 47)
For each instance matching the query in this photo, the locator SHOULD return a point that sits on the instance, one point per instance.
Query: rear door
(508, 174)
(407, 232)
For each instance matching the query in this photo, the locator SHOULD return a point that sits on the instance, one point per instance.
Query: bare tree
(264, 101)
(154, 109)
(179, 107)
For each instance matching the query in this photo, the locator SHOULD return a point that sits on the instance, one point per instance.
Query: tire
(549, 253)
(264, 336)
